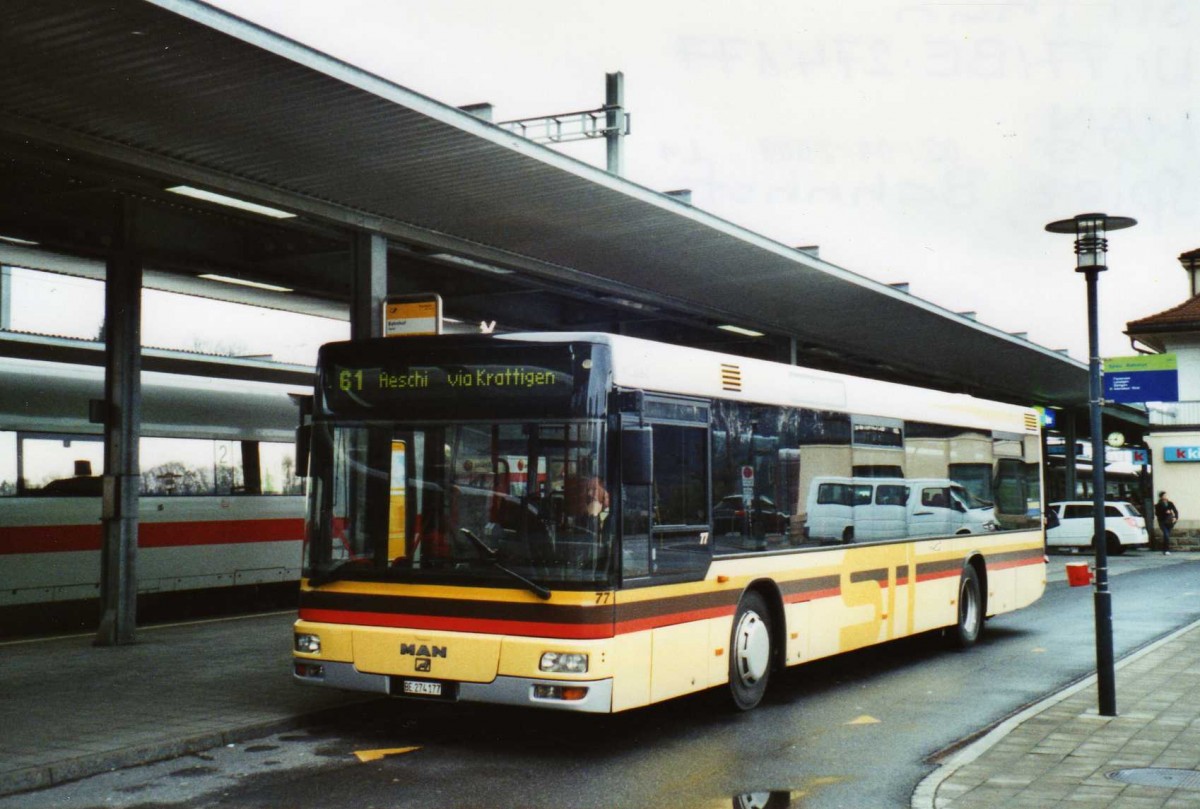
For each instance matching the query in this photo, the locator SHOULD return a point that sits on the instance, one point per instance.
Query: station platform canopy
(127, 99)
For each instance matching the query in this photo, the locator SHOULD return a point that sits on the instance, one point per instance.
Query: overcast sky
(919, 142)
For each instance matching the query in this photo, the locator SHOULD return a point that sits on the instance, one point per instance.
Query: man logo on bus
(413, 650)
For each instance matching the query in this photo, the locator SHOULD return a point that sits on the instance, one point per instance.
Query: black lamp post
(1091, 250)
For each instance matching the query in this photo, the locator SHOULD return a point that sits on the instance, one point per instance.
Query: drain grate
(1158, 777)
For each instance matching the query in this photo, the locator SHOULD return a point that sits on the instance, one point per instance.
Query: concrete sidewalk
(69, 709)
(1062, 753)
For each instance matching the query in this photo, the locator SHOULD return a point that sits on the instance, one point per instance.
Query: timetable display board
(410, 315)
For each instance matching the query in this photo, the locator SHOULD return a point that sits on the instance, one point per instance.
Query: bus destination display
(430, 387)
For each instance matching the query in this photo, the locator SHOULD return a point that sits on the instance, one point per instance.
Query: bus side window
(680, 527)
(679, 475)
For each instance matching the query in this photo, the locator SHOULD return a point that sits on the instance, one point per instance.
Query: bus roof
(667, 368)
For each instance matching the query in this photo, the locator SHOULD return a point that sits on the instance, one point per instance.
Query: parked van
(864, 509)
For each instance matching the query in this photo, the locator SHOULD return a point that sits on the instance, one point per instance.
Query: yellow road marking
(864, 720)
(374, 755)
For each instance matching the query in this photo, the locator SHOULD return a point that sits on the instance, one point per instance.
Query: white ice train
(221, 512)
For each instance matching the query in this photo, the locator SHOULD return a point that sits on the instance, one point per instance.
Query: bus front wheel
(970, 609)
(750, 652)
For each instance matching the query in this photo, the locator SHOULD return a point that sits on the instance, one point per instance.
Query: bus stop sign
(1144, 378)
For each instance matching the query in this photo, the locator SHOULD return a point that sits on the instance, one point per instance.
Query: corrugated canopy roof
(176, 89)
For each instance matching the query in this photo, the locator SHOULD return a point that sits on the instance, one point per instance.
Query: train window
(278, 467)
(67, 466)
(172, 466)
(184, 466)
(229, 474)
(8, 463)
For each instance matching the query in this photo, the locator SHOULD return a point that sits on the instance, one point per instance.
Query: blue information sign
(1144, 378)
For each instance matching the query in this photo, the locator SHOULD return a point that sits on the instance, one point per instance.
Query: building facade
(1174, 437)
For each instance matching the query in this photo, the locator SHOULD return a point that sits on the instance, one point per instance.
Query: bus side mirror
(637, 456)
(304, 403)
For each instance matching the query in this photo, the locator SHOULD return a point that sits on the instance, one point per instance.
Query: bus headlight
(308, 644)
(564, 662)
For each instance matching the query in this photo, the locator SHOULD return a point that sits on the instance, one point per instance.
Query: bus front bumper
(563, 695)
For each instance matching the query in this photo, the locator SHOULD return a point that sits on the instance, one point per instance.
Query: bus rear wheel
(750, 652)
(970, 610)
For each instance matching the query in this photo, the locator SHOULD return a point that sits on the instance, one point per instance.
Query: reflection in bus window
(976, 478)
(437, 502)
(679, 468)
(935, 497)
(66, 466)
(8, 463)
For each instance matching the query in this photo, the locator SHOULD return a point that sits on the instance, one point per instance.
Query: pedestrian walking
(1167, 515)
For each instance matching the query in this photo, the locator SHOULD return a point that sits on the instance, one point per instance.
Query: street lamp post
(1091, 250)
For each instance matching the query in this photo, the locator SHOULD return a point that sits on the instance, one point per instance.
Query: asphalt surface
(71, 710)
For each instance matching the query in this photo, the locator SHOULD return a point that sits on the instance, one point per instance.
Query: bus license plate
(424, 689)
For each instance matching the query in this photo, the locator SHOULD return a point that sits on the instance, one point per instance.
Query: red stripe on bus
(1015, 563)
(938, 574)
(62, 538)
(812, 595)
(641, 624)
(478, 625)
(538, 629)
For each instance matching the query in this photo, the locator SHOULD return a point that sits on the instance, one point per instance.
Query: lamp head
(1090, 229)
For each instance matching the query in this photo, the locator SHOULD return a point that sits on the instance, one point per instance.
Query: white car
(1070, 524)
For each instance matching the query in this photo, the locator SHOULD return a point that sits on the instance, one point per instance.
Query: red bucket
(1078, 574)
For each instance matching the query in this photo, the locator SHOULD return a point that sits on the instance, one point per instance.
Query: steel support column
(122, 430)
(614, 113)
(1070, 456)
(369, 285)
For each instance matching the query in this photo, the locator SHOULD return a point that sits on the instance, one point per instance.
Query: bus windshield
(510, 504)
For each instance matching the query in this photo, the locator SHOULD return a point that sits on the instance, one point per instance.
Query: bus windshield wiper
(491, 555)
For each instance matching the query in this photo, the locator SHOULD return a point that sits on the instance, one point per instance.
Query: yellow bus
(594, 522)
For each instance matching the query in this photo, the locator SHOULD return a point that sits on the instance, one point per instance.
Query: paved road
(857, 731)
